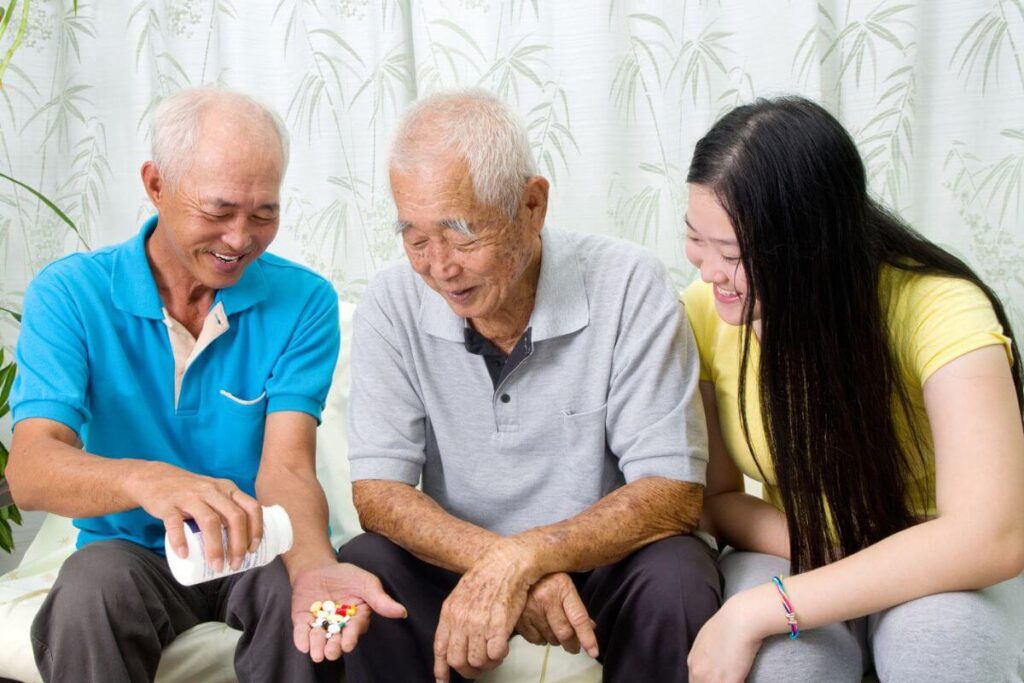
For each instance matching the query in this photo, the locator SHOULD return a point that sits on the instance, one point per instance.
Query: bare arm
(979, 458)
(287, 476)
(411, 519)
(48, 471)
(627, 519)
(736, 518)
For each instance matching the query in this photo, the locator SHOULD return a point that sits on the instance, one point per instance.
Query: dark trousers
(115, 606)
(648, 608)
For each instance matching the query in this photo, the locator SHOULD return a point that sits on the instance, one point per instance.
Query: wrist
(757, 613)
(521, 554)
(137, 474)
(306, 558)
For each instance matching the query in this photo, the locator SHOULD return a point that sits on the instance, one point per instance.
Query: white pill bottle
(277, 539)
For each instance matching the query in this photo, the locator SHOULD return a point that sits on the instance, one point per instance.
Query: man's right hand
(556, 615)
(173, 495)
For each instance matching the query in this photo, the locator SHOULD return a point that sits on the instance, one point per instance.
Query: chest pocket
(583, 436)
(256, 406)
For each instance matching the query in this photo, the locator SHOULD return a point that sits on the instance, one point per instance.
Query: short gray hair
(176, 126)
(481, 130)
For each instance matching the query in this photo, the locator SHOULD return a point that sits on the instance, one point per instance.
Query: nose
(713, 270)
(236, 236)
(442, 265)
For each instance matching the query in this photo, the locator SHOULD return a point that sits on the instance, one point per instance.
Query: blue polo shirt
(96, 354)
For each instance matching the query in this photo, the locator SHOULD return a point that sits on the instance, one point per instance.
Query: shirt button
(505, 398)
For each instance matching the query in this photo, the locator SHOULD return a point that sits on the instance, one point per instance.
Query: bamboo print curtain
(615, 93)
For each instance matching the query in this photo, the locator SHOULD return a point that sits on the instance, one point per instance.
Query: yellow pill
(316, 607)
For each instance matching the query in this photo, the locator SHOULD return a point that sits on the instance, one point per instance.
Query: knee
(96, 582)
(831, 653)
(743, 569)
(104, 572)
(676, 578)
(947, 637)
(274, 592)
(375, 554)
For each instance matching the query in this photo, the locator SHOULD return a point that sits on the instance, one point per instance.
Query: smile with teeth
(726, 293)
(227, 259)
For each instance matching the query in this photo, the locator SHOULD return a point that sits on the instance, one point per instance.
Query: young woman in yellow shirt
(868, 378)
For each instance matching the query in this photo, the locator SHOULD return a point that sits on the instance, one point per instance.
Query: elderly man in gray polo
(542, 386)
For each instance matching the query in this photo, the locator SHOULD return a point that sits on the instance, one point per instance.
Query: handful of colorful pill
(330, 617)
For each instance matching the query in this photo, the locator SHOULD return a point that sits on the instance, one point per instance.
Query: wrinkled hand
(478, 616)
(342, 583)
(724, 650)
(555, 614)
(173, 495)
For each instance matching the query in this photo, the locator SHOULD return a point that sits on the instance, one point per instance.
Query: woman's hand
(725, 648)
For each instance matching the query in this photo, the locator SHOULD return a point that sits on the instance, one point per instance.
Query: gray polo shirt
(607, 395)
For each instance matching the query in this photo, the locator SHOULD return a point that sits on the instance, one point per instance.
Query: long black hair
(813, 245)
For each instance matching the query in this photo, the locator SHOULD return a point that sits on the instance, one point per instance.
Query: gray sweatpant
(115, 606)
(975, 636)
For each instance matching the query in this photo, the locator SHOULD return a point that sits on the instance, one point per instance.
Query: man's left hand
(555, 615)
(478, 617)
(341, 583)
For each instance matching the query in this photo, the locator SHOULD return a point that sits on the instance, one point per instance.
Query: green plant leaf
(6, 539)
(7, 375)
(5, 18)
(18, 37)
(53, 207)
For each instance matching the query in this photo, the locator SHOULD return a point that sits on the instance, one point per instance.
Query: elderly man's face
(481, 275)
(225, 211)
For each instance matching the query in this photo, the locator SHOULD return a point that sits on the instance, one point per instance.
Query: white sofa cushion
(205, 653)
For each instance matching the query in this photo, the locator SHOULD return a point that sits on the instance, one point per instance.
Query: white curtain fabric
(615, 94)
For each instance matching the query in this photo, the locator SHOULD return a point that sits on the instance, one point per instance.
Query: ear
(535, 202)
(153, 183)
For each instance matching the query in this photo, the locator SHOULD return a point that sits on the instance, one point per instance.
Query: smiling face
(712, 248)
(225, 210)
(487, 271)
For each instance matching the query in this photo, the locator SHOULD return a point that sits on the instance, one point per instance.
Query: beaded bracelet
(794, 629)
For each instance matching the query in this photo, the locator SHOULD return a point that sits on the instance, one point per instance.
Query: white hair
(478, 128)
(177, 119)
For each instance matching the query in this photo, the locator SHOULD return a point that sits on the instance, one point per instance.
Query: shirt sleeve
(656, 422)
(386, 416)
(53, 366)
(302, 374)
(941, 319)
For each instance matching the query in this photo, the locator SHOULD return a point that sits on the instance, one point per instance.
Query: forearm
(300, 493)
(412, 520)
(622, 522)
(48, 474)
(746, 522)
(919, 561)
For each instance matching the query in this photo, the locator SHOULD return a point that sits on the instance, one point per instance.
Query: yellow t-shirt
(932, 320)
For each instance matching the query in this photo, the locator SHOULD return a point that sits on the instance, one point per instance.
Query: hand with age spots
(556, 615)
(478, 617)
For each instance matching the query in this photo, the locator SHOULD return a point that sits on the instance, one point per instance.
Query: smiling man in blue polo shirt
(180, 375)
